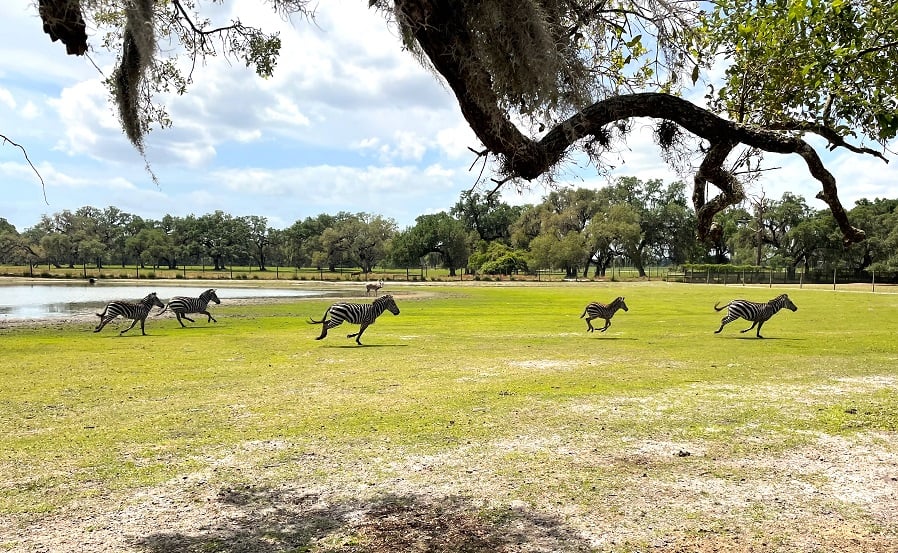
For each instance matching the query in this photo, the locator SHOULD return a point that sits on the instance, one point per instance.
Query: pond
(62, 299)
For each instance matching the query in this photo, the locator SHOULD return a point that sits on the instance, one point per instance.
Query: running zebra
(182, 305)
(363, 314)
(757, 313)
(597, 310)
(135, 311)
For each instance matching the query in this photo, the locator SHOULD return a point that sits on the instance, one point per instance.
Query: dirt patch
(668, 496)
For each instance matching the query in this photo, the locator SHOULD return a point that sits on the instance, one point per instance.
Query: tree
(583, 54)
(879, 216)
(612, 233)
(439, 234)
(223, 238)
(666, 224)
(259, 237)
(553, 251)
(495, 258)
(486, 215)
(591, 67)
(303, 239)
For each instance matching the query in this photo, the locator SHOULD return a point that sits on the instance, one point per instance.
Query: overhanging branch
(446, 41)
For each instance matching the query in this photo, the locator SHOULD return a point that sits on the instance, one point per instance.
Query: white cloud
(7, 98)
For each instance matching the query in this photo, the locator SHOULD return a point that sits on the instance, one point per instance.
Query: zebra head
(210, 295)
(387, 302)
(784, 301)
(619, 303)
(152, 300)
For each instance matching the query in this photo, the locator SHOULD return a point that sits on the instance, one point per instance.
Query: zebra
(363, 314)
(182, 305)
(374, 286)
(597, 310)
(135, 311)
(757, 313)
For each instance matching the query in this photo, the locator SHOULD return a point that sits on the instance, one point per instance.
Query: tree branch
(33, 168)
(446, 42)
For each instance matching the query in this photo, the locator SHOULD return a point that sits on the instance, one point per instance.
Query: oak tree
(540, 81)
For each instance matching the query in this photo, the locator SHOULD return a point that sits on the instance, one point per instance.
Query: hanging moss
(138, 49)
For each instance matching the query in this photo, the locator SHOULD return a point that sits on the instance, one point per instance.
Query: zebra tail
(163, 311)
(584, 313)
(720, 308)
(323, 319)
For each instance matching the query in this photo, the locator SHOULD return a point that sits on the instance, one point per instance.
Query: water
(48, 300)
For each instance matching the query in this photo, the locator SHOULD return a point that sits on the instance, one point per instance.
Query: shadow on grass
(262, 520)
(354, 346)
(767, 338)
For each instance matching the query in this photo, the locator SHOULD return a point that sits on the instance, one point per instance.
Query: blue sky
(349, 122)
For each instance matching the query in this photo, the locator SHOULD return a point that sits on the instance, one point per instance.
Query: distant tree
(497, 258)
(439, 234)
(666, 223)
(486, 215)
(259, 237)
(223, 238)
(879, 217)
(558, 251)
(302, 239)
(614, 232)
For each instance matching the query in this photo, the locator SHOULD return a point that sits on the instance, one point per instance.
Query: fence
(773, 275)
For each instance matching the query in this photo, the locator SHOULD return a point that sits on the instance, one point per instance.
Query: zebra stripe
(597, 310)
(757, 313)
(128, 310)
(182, 305)
(363, 314)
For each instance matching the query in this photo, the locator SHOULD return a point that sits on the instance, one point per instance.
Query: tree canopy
(540, 80)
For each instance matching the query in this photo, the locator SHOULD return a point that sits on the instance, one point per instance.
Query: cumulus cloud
(7, 99)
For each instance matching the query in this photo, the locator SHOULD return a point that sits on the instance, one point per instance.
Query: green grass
(464, 370)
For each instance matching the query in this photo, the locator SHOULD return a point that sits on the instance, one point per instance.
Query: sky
(349, 122)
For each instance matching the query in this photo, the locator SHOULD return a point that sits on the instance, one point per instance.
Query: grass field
(482, 418)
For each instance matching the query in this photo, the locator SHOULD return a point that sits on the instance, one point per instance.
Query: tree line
(579, 231)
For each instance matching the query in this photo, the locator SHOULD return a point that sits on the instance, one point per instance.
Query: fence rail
(772, 275)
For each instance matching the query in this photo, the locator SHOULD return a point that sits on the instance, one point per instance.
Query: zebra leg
(103, 322)
(725, 321)
(178, 315)
(589, 327)
(327, 325)
(134, 322)
(760, 324)
(188, 318)
(211, 318)
(358, 335)
(607, 324)
(751, 327)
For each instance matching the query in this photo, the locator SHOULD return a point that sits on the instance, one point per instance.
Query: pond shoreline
(348, 291)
